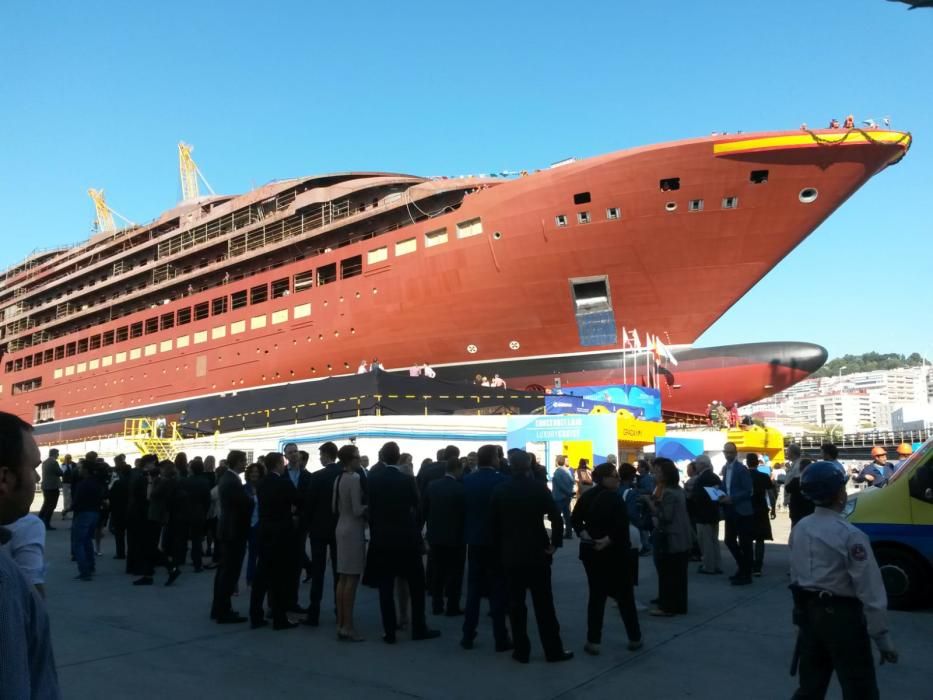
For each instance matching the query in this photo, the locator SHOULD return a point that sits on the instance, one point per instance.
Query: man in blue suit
(484, 570)
(562, 485)
(739, 514)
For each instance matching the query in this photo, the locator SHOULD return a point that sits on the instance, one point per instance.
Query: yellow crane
(104, 212)
(190, 173)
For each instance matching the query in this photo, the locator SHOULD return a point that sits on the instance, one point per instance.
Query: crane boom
(104, 217)
(190, 173)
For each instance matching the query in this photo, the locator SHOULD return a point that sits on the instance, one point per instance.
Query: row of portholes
(807, 195)
(513, 345)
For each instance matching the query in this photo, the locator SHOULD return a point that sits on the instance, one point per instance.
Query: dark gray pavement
(113, 640)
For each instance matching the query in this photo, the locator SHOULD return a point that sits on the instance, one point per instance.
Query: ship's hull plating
(503, 294)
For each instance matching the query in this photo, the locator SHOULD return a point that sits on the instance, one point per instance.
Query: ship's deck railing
(890, 438)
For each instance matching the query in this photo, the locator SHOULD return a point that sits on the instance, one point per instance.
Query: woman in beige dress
(351, 539)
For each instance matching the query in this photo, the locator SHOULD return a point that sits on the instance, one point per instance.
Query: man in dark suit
(321, 523)
(444, 512)
(485, 575)
(436, 470)
(198, 488)
(301, 480)
(119, 499)
(517, 510)
(276, 564)
(137, 515)
(395, 544)
(232, 533)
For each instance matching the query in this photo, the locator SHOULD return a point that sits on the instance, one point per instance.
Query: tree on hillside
(869, 362)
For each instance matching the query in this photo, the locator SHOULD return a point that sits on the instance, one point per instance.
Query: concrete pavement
(119, 641)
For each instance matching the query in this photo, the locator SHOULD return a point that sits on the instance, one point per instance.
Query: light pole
(842, 368)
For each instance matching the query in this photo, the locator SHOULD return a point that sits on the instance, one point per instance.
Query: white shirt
(827, 553)
(27, 547)
(362, 369)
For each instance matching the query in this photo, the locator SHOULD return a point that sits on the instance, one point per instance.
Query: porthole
(497, 235)
(472, 349)
(808, 195)
(671, 206)
(514, 345)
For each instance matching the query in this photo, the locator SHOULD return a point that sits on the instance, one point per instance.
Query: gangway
(153, 436)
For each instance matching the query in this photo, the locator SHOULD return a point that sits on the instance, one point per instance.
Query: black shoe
(278, 626)
(388, 638)
(173, 576)
(453, 612)
(256, 624)
(520, 658)
(467, 642)
(425, 634)
(565, 655)
(505, 646)
(298, 610)
(144, 581)
(230, 619)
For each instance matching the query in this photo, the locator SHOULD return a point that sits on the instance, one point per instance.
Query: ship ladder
(146, 435)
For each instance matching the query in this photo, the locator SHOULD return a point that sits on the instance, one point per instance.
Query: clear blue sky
(97, 95)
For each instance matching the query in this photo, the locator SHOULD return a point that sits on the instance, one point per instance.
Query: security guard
(839, 598)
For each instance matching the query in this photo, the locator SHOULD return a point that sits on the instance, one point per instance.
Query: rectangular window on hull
(95, 342)
(219, 306)
(669, 184)
(201, 311)
(60, 352)
(152, 325)
(82, 345)
(472, 227)
(168, 321)
(238, 300)
(123, 332)
(437, 237)
(326, 274)
(351, 267)
(28, 385)
(108, 337)
(259, 294)
(280, 288)
(591, 295)
(581, 198)
(45, 412)
(70, 349)
(183, 317)
(303, 281)
(136, 329)
(759, 177)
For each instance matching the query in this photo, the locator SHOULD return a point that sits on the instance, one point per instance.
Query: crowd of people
(460, 530)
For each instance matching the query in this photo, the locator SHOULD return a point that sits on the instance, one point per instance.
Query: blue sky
(98, 95)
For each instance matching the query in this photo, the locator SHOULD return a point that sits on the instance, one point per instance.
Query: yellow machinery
(754, 438)
(153, 436)
(104, 213)
(632, 436)
(190, 173)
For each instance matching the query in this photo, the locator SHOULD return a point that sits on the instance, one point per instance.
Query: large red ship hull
(504, 293)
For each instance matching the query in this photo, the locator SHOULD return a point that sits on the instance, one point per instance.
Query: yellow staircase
(151, 438)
